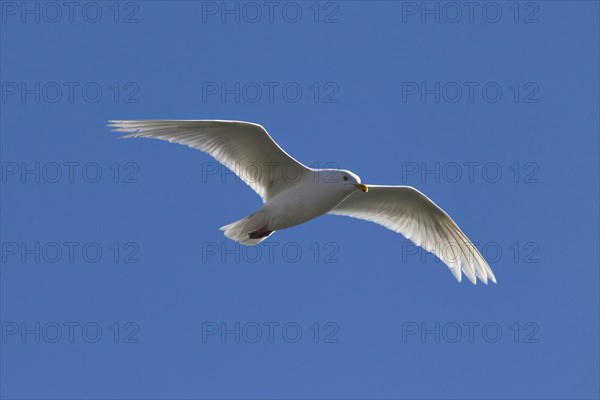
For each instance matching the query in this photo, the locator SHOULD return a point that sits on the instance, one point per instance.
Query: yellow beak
(362, 187)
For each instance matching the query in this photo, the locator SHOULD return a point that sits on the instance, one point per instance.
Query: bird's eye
(345, 178)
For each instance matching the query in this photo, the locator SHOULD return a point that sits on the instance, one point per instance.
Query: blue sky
(117, 283)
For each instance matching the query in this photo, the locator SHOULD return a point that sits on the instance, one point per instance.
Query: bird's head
(343, 178)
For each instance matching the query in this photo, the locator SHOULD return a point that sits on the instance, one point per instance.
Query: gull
(293, 193)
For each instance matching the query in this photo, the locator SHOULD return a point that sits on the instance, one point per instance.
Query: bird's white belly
(300, 204)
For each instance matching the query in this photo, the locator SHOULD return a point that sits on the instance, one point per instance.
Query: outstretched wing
(243, 147)
(405, 210)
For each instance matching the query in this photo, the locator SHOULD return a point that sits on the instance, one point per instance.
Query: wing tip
(123, 126)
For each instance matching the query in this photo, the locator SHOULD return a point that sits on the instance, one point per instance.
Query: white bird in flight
(293, 193)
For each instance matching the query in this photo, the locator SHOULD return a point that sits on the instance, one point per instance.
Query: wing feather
(245, 148)
(409, 212)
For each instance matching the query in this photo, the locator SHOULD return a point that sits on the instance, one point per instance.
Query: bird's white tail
(241, 231)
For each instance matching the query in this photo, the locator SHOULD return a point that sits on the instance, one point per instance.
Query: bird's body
(293, 193)
(311, 196)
